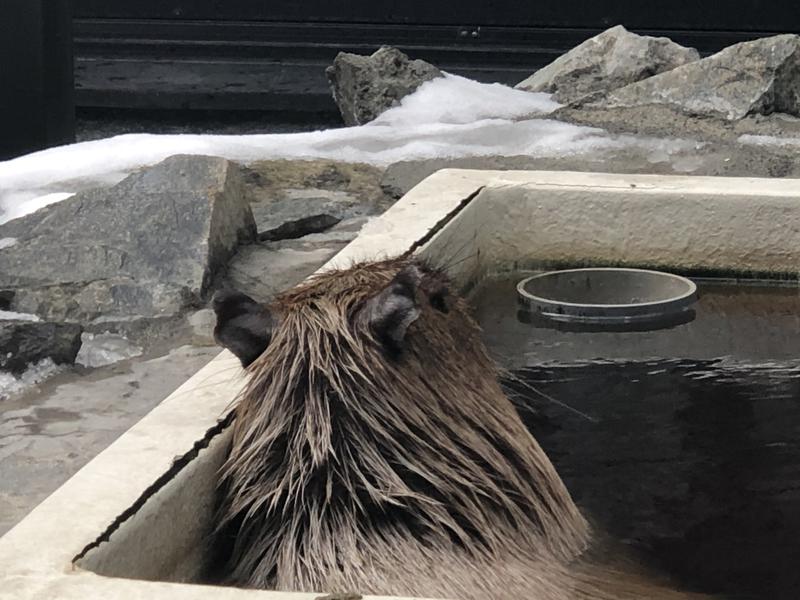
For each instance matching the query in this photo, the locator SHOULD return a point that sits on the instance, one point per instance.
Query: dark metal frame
(37, 94)
(272, 55)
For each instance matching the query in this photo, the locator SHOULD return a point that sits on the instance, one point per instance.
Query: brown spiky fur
(353, 469)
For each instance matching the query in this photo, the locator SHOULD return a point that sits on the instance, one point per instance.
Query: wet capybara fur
(374, 451)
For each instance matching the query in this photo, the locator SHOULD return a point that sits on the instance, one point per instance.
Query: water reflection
(653, 324)
(694, 464)
(750, 322)
(690, 459)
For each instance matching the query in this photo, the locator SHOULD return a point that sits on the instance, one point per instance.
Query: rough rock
(610, 60)
(719, 158)
(297, 228)
(350, 184)
(299, 197)
(264, 178)
(365, 86)
(113, 296)
(758, 77)
(23, 343)
(101, 349)
(287, 214)
(265, 269)
(148, 246)
(151, 333)
(343, 232)
(202, 327)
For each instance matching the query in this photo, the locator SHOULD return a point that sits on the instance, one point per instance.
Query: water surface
(682, 443)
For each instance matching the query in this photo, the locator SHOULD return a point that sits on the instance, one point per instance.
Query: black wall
(36, 96)
(246, 54)
(708, 15)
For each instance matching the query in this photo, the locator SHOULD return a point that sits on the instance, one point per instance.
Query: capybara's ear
(243, 325)
(395, 308)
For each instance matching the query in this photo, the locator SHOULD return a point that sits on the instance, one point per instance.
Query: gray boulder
(102, 349)
(297, 228)
(201, 325)
(263, 270)
(27, 342)
(610, 60)
(295, 213)
(365, 86)
(758, 77)
(148, 246)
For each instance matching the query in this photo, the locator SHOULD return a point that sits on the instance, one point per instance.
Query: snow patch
(7, 242)
(19, 204)
(457, 100)
(769, 140)
(448, 117)
(34, 374)
(8, 315)
(99, 350)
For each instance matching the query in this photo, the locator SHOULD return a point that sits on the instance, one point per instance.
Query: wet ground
(48, 434)
(690, 459)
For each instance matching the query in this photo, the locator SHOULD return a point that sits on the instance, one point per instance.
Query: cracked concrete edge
(36, 555)
(711, 226)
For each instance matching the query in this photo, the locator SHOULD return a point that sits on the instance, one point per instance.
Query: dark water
(691, 460)
(746, 322)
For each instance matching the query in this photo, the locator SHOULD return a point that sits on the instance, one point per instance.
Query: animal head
(371, 399)
(381, 309)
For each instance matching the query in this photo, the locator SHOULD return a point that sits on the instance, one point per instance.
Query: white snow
(448, 117)
(769, 140)
(457, 100)
(8, 315)
(20, 203)
(7, 242)
(99, 350)
(35, 373)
